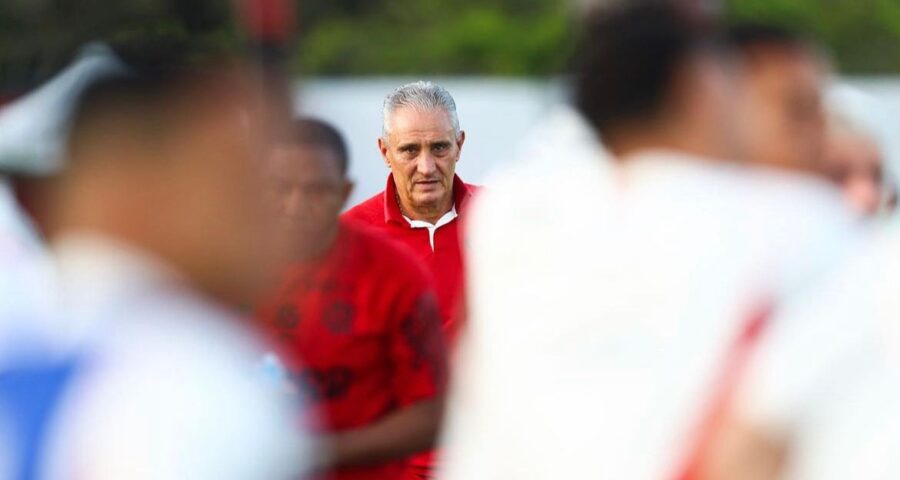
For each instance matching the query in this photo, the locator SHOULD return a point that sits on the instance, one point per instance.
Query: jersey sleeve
(418, 349)
(153, 410)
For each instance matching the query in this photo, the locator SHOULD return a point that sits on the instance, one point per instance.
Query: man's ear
(383, 148)
(460, 140)
(348, 190)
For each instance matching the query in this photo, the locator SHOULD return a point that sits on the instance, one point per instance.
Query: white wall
(496, 113)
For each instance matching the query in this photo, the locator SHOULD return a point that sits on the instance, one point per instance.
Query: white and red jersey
(606, 300)
(828, 372)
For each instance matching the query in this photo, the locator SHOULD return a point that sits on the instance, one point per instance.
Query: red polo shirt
(444, 259)
(361, 336)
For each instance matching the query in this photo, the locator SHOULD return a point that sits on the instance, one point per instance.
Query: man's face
(853, 162)
(780, 109)
(421, 149)
(307, 191)
(211, 195)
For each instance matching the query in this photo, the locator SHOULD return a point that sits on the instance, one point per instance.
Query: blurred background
(501, 59)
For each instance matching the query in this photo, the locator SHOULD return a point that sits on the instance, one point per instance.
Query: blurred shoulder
(381, 252)
(369, 211)
(181, 369)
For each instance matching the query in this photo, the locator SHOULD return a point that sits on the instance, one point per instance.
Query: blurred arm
(741, 451)
(405, 432)
(419, 355)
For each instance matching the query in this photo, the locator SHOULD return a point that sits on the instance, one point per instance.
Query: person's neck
(426, 214)
(629, 142)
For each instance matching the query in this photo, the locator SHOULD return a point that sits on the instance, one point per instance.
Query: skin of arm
(400, 434)
(742, 451)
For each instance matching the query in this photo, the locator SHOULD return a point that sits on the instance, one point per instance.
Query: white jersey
(165, 384)
(828, 372)
(604, 299)
(26, 275)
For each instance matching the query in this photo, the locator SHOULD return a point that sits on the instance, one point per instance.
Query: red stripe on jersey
(735, 363)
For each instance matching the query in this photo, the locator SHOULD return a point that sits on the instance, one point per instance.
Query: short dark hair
(307, 131)
(153, 79)
(745, 35)
(629, 59)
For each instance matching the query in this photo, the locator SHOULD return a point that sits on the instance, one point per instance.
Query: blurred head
(421, 143)
(308, 186)
(782, 120)
(167, 160)
(653, 76)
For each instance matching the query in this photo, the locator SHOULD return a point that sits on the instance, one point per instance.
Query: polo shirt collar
(462, 193)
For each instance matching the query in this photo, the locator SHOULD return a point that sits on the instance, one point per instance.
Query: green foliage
(435, 37)
(525, 37)
(536, 37)
(38, 37)
(862, 35)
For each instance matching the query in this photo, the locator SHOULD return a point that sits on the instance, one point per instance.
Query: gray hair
(420, 95)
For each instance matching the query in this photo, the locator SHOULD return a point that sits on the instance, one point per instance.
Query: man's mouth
(426, 182)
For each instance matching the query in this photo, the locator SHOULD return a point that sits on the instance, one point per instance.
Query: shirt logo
(325, 384)
(423, 334)
(288, 317)
(338, 317)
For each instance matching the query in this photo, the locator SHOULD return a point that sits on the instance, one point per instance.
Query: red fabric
(360, 333)
(446, 261)
(269, 20)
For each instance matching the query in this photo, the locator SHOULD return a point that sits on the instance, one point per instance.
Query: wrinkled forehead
(412, 122)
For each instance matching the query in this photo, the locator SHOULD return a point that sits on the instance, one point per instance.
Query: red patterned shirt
(361, 334)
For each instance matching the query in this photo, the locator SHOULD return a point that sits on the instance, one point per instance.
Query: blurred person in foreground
(355, 317)
(157, 226)
(30, 149)
(857, 151)
(615, 315)
(780, 98)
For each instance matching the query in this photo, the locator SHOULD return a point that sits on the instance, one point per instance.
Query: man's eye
(441, 147)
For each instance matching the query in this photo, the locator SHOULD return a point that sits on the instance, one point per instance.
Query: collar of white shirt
(432, 227)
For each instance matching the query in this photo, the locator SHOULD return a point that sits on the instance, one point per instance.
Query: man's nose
(425, 164)
(292, 202)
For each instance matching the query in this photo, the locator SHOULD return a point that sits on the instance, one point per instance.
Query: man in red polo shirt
(424, 199)
(354, 316)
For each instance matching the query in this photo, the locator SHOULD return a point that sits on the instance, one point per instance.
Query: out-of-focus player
(614, 315)
(354, 315)
(157, 226)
